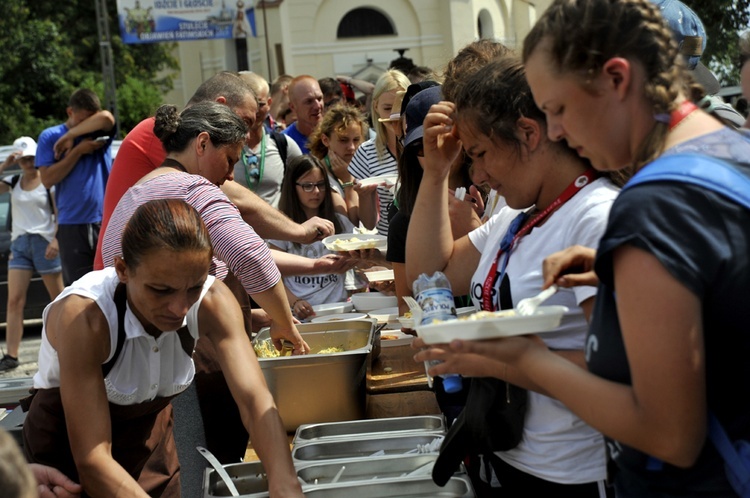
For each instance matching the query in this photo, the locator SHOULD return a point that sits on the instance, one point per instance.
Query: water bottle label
(437, 304)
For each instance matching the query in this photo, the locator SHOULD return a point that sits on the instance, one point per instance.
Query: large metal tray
(457, 486)
(367, 448)
(367, 469)
(384, 477)
(319, 388)
(369, 428)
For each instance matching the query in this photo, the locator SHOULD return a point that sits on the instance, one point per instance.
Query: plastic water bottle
(435, 297)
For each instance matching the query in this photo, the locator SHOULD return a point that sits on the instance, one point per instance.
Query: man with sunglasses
(264, 157)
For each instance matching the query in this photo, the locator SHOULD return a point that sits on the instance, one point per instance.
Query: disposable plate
(331, 308)
(355, 242)
(505, 324)
(390, 338)
(339, 317)
(384, 315)
(389, 180)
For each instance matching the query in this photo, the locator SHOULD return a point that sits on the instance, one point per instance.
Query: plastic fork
(528, 306)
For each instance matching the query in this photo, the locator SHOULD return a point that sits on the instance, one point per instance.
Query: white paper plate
(389, 180)
(368, 301)
(379, 276)
(331, 308)
(355, 242)
(406, 322)
(390, 338)
(545, 319)
(338, 317)
(384, 315)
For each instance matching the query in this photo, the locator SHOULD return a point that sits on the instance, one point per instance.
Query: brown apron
(140, 433)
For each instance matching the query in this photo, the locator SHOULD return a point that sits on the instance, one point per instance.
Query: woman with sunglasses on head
(377, 156)
(669, 331)
(307, 192)
(118, 345)
(554, 199)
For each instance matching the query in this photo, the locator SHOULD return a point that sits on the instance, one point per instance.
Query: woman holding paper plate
(555, 199)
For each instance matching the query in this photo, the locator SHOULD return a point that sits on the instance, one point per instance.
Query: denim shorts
(27, 253)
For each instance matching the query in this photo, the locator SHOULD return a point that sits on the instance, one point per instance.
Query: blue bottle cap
(452, 384)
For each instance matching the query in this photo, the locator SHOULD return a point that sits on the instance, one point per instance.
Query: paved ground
(28, 355)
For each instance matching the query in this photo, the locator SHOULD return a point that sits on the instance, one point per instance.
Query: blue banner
(151, 21)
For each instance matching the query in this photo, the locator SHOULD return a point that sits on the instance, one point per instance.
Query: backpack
(721, 177)
(281, 144)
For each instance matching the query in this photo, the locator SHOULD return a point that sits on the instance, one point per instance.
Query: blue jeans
(27, 253)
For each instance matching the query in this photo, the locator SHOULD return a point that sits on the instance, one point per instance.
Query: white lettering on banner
(163, 35)
(197, 3)
(166, 4)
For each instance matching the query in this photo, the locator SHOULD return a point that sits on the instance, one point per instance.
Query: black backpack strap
(121, 299)
(281, 144)
(14, 180)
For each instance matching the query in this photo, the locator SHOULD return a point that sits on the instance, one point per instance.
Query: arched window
(364, 22)
(485, 26)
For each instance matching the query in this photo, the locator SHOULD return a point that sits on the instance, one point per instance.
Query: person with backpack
(33, 242)
(667, 349)
(266, 153)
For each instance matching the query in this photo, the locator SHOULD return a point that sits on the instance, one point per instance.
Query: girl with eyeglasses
(307, 192)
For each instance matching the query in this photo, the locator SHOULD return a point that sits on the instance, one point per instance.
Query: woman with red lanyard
(555, 199)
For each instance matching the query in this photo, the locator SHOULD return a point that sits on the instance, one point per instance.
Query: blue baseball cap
(416, 111)
(690, 35)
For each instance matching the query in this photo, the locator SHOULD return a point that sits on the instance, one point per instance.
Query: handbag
(492, 420)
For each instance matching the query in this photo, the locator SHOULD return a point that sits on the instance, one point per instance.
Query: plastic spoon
(219, 469)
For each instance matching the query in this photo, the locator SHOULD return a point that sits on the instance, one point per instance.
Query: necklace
(173, 163)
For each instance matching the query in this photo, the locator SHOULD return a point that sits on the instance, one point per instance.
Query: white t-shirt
(147, 367)
(557, 445)
(31, 211)
(366, 164)
(269, 188)
(316, 289)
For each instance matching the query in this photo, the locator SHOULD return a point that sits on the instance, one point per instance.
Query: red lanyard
(682, 111)
(488, 304)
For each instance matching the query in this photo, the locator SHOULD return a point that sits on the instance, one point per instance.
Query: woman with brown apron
(117, 346)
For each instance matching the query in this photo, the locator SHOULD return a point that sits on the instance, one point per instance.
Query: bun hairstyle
(467, 61)
(176, 130)
(579, 36)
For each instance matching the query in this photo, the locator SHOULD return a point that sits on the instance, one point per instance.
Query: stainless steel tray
(366, 469)
(321, 387)
(248, 477)
(457, 486)
(367, 448)
(370, 428)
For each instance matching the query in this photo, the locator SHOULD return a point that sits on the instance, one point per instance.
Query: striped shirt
(236, 245)
(366, 164)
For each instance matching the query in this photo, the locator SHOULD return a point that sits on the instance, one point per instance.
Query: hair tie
(663, 118)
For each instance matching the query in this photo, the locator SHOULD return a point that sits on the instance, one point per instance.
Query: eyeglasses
(309, 187)
(252, 171)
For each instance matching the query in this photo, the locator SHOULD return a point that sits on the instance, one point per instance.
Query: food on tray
(389, 337)
(265, 349)
(482, 315)
(332, 349)
(345, 244)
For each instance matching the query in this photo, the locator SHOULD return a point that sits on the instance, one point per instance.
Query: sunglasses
(309, 186)
(252, 169)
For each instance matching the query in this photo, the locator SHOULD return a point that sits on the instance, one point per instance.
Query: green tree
(724, 21)
(50, 48)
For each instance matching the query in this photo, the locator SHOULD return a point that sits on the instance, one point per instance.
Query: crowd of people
(594, 158)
